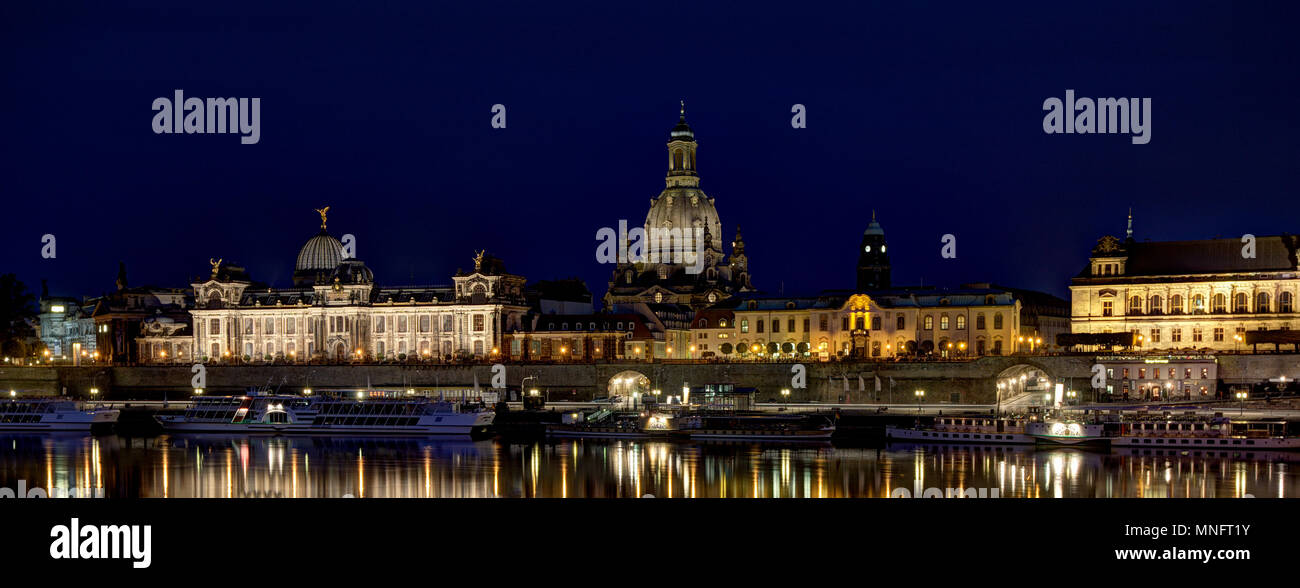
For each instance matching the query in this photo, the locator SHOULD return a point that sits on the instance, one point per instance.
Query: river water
(304, 467)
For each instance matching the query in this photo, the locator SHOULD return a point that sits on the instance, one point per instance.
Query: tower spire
(1128, 233)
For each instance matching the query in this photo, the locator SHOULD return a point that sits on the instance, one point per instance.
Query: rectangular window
(215, 327)
(270, 326)
(902, 322)
(291, 326)
(1196, 335)
(379, 324)
(823, 323)
(1107, 308)
(844, 323)
(805, 325)
(943, 322)
(478, 323)
(1218, 334)
(446, 323)
(424, 323)
(929, 322)
(401, 324)
(744, 325)
(1205, 373)
(1176, 335)
(776, 326)
(875, 323)
(759, 325)
(1155, 335)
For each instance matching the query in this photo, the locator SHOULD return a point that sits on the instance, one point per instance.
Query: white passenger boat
(316, 415)
(1067, 432)
(984, 430)
(1199, 432)
(53, 414)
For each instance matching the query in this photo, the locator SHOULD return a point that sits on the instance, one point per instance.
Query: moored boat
(54, 414)
(377, 414)
(977, 429)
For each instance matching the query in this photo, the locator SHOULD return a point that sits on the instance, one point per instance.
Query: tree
(17, 306)
(725, 348)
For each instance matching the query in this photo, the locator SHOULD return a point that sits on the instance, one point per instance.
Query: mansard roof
(1206, 256)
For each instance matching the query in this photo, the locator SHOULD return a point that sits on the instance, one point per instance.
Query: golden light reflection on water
(384, 468)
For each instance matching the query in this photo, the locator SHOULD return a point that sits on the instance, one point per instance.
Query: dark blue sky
(928, 113)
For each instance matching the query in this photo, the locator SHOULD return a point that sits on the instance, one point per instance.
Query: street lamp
(920, 395)
(785, 395)
(1241, 397)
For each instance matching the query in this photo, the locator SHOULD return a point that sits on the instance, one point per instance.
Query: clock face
(867, 249)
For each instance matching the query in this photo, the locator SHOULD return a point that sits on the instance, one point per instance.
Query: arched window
(1240, 302)
(1219, 303)
(704, 323)
(979, 322)
(902, 322)
(943, 322)
(929, 322)
(722, 323)
(1176, 304)
(677, 159)
(1135, 305)
(1157, 304)
(997, 321)
(961, 321)
(1284, 302)
(1261, 302)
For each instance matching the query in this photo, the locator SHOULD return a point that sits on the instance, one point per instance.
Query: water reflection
(237, 467)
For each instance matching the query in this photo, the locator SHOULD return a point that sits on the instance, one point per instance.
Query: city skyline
(936, 141)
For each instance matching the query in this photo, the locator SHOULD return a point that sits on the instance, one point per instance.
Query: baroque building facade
(683, 207)
(1187, 295)
(335, 311)
(880, 324)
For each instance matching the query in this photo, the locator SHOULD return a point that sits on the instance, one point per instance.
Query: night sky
(930, 114)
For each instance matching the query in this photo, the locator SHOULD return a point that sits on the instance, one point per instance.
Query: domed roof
(682, 132)
(320, 253)
(874, 227)
(352, 271)
(684, 208)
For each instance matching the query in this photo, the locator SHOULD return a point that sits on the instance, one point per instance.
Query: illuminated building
(1197, 295)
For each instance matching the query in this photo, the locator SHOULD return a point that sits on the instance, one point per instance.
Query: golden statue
(216, 267)
(478, 259)
(322, 212)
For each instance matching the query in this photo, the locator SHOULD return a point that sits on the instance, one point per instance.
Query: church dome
(684, 208)
(320, 253)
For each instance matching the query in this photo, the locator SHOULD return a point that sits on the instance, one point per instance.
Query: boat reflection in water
(218, 466)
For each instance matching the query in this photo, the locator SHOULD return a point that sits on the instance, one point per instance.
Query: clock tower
(873, 258)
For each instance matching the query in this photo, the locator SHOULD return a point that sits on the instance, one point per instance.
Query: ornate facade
(1187, 294)
(683, 206)
(883, 324)
(341, 314)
